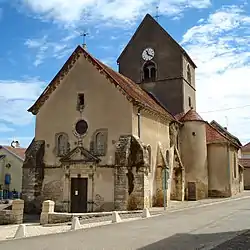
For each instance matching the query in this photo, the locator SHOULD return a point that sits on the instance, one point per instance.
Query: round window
(81, 127)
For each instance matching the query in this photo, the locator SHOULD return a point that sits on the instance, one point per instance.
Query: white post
(48, 207)
(116, 217)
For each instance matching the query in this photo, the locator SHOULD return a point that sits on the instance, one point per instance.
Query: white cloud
(220, 48)
(16, 97)
(125, 11)
(44, 48)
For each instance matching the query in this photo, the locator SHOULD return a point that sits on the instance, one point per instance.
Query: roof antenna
(84, 34)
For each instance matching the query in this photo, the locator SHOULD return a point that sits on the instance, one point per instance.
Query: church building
(107, 140)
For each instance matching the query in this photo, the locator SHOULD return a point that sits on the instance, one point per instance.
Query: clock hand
(149, 54)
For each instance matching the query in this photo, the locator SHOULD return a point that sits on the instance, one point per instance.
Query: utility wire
(218, 110)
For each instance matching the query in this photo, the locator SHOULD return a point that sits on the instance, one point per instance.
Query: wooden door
(79, 195)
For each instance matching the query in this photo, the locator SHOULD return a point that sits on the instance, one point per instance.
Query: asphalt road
(197, 228)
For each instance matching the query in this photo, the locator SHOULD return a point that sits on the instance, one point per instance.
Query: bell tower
(161, 66)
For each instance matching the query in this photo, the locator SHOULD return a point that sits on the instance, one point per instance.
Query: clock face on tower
(148, 54)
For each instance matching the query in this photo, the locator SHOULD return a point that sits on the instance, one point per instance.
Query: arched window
(62, 144)
(189, 102)
(167, 158)
(100, 143)
(189, 77)
(149, 72)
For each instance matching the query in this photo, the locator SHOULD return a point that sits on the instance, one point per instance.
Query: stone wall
(33, 174)
(13, 215)
(131, 184)
(121, 188)
(48, 216)
(178, 178)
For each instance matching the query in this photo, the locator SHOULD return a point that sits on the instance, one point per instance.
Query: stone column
(48, 207)
(17, 211)
(121, 188)
(147, 195)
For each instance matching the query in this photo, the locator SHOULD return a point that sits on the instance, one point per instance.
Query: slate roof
(19, 152)
(131, 90)
(149, 18)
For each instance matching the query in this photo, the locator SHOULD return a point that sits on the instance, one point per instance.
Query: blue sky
(38, 36)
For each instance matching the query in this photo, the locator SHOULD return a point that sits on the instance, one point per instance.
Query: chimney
(15, 144)
(225, 128)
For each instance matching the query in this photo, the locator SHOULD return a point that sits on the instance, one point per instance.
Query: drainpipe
(139, 122)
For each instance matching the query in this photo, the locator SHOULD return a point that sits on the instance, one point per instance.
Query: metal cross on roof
(84, 34)
(157, 13)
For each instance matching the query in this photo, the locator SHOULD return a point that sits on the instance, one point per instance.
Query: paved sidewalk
(35, 229)
(204, 227)
(176, 205)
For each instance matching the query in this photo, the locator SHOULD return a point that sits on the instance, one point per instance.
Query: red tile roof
(20, 152)
(134, 91)
(131, 90)
(191, 115)
(246, 147)
(245, 162)
(179, 116)
(225, 132)
(214, 135)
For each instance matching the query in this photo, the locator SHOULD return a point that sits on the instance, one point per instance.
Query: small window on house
(149, 72)
(100, 143)
(62, 144)
(80, 102)
(149, 157)
(189, 77)
(189, 102)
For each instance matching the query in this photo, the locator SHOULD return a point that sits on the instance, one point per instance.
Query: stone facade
(131, 178)
(33, 174)
(13, 214)
(113, 145)
(117, 163)
(192, 143)
(228, 180)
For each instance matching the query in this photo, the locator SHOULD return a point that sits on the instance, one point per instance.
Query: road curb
(208, 204)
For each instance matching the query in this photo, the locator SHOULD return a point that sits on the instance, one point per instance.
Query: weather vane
(84, 34)
(157, 13)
